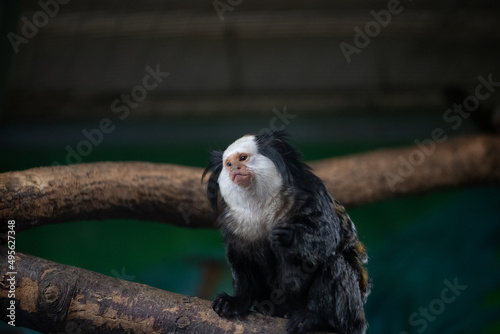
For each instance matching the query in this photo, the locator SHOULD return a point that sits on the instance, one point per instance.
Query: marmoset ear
(214, 167)
(272, 145)
(275, 146)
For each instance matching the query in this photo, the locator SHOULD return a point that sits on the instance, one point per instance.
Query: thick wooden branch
(52, 297)
(105, 190)
(175, 194)
(388, 173)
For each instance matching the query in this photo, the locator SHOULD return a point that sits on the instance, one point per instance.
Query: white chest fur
(255, 219)
(254, 210)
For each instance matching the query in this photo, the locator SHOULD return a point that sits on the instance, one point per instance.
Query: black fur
(214, 167)
(310, 268)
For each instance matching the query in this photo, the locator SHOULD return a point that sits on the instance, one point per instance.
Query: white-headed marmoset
(293, 250)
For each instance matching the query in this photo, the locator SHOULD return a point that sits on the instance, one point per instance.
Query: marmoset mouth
(240, 178)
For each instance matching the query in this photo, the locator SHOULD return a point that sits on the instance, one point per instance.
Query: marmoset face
(238, 160)
(246, 168)
(236, 165)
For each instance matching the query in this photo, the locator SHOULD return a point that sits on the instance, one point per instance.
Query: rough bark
(176, 195)
(388, 173)
(52, 297)
(105, 190)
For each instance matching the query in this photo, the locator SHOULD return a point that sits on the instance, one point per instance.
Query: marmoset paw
(230, 307)
(283, 234)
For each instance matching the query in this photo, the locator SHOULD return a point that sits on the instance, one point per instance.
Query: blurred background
(166, 81)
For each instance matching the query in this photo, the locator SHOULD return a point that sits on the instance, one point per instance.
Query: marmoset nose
(235, 166)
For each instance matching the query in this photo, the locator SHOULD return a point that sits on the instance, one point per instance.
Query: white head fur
(253, 207)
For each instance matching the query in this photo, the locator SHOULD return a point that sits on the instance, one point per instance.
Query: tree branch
(389, 173)
(52, 297)
(105, 190)
(175, 194)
